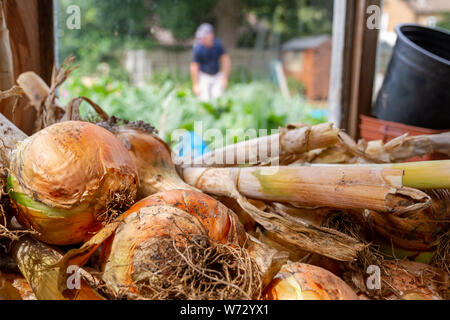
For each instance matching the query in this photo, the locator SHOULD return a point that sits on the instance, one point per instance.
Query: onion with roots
(178, 244)
(70, 178)
(300, 281)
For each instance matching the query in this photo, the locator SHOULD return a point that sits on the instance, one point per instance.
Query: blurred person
(210, 66)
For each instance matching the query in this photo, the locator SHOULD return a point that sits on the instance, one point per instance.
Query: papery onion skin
(163, 215)
(300, 281)
(153, 160)
(408, 280)
(418, 230)
(222, 223)
(37, 263)
(72, 173)
(8, 291)
(21, 285)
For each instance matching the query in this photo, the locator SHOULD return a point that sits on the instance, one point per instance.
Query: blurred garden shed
(308, 60)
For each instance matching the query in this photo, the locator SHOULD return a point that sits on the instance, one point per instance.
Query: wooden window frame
(32, 39)
(353, 64)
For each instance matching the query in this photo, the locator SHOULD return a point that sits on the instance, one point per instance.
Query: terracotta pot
(376, 129)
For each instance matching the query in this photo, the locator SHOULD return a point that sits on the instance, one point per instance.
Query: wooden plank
(6, 65)
(369, 58)
(363, 69)
(359, 27)
(46, 39)
(341, 58)
(31, 26)
(353, 64)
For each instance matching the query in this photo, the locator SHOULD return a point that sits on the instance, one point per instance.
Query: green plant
(295, 86)
(255, 105)
(444, 21)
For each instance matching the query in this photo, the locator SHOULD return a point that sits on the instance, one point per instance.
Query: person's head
(205, 35)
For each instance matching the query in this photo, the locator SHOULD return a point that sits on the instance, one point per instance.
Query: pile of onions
(300, 281)
(152, 156)
(177, 244)
(70, 178)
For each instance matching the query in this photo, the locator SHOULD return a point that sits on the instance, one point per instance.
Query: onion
(178, 244)
(68, 179)
(418, 230)
(408, 280)
(299, 281)
(402, 280)
(151, 154)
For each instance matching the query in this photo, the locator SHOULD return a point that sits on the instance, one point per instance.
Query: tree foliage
(105, 27)
(183, 17)
(444, 21)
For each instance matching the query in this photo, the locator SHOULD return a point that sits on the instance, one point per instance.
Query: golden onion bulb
(300, 281)
(68, 179)
(166, 244)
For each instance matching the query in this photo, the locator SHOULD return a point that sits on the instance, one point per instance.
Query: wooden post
(353, 64)
(6, 65)
(31, 27)
(338, 97)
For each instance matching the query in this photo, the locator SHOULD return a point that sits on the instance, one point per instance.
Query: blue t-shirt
(208, 58)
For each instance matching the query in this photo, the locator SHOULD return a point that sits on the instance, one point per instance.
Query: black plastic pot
(416, 88)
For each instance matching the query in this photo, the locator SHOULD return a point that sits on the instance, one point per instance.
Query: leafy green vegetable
(255, 105)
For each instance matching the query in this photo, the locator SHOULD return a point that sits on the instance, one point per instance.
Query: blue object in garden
(319, 113)
(273, 72)
(192, 143)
